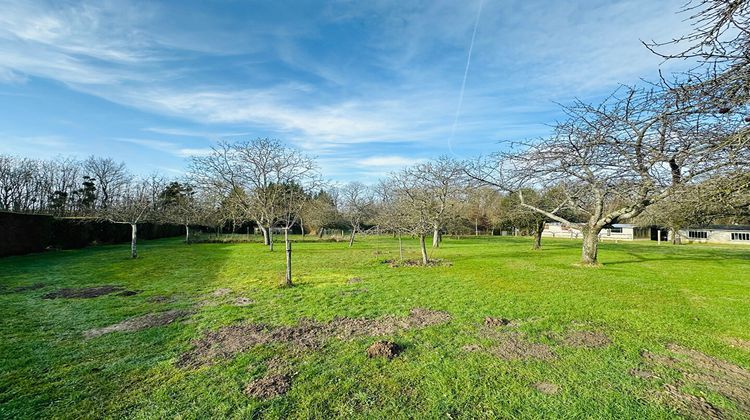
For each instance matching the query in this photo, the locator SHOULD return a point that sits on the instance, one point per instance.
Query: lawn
(656, 332)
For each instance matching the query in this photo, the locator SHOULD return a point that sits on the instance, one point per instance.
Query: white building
(717, 234)
(618, 231)
(720, 234)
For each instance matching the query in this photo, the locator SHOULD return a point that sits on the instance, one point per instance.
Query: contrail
(463, 83)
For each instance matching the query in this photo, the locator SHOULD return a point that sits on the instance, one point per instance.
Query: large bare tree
(613, 160)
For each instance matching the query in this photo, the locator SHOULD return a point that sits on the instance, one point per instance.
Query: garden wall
(26, 233)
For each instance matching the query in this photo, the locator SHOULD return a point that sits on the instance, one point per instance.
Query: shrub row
(26, 233)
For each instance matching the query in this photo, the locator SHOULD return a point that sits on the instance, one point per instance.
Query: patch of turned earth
(586, 339)
(702, 371)
(385, 349)
(84, 292)
(276, 380)
(437, 262)
(305, 335)
(28, 287)
(513, 345)
(139, 323)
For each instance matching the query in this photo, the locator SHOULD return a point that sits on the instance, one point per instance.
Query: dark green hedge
(26, 233)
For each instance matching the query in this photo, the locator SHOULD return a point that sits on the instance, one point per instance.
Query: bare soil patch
(83, 293)
(722, 377)
(128, 293)
(30, 287)
(139, 323)
(387, 349)
(515, 347)
(643, 374)
(471, 348)
(547, 388)
(159, 299)
(354, 280)
(496, 322)
(276, 381)
(587, 339)
(243, 301)
(306, 335)
(691, 405)
(221, 292)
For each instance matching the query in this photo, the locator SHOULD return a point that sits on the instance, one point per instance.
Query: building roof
(722, 227)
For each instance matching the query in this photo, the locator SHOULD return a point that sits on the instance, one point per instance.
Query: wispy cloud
(168, 147)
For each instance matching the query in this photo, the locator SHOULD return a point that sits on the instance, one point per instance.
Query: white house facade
(717, 234)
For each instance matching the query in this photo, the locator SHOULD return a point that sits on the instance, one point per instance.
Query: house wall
(555, 230)
(715, 236)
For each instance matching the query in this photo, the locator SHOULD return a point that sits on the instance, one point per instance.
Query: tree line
(670, 152)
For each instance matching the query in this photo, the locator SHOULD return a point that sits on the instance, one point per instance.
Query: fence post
(288, 262)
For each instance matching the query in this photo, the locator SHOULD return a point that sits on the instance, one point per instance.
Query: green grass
(643, 297)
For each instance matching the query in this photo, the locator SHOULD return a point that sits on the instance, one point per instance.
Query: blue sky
(366, 86)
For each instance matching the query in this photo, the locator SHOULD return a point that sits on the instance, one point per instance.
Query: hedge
(26, 233)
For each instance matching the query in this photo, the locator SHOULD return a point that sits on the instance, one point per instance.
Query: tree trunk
(270, 238)
(351, 237)
(302, 228)
(590, 250)
(265, 234)
(476, 227)
(400, 248)
(538, 235)
(187, 234)
(133, 239)
(436, 238)
(423, 247)
(288, 276)
(321, 232)
(676, 238)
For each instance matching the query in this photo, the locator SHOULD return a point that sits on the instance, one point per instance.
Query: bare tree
(110, 176)
(357, 206)
(255, 168)
(134, 206)
(613, 161)
(421, 197)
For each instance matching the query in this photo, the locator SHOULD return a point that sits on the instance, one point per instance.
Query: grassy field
(662, 331)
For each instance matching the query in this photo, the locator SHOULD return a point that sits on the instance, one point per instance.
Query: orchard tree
(357, 206)
(612, 161)
(135, 205)
(256, 168)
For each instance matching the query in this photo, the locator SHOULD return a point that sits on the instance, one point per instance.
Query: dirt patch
(387, 349)
(275, 382)
(691, 405)
(243, 301)
(547, 388)
(354, 280)
(139, 323)
(30, 287)
(221, 292)
(128, 293)
(159, 299)
(587, 339)
(83, 293)
(496, 322)
(516, 347)
(727, 379)
(471, 348)
(307, 334)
